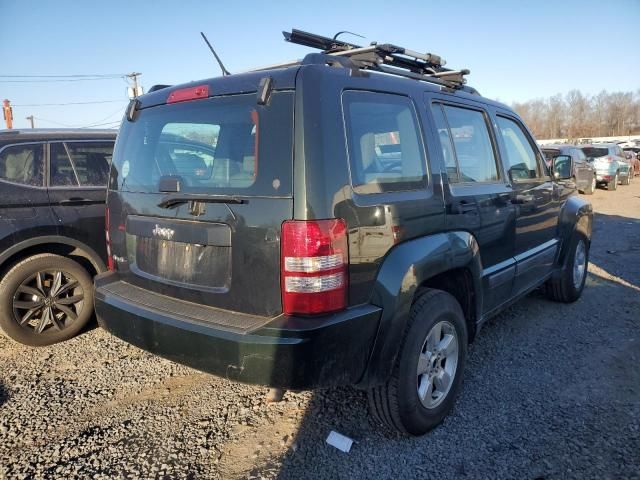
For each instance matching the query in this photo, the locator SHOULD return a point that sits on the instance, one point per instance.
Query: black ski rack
(386, 58)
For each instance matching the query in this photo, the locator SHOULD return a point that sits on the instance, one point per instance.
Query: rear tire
(626, 180)
(568, 285)
(613, 184)
(45, 299)
(435, 343)
(592, 187)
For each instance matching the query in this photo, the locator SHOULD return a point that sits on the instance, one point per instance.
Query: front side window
(521, 159)
(466, 144)
(385, 148)
(22, 164)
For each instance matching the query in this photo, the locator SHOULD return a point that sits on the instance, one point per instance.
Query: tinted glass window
(595, 152)
(91, 162)
(385, 149)
(22, 164)
(446, 143)
(550, 154)
(472, 147)
(580, 154)
(61, 173)
(521, 161)
(225, 145)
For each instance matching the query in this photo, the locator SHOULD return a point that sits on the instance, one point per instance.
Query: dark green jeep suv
(350, 218)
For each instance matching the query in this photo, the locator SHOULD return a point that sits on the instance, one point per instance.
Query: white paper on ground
(339, 441)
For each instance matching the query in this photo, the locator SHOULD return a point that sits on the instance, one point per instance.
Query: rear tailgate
(198, 193)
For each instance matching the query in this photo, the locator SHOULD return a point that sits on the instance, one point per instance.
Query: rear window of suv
(595, 152)
(225, 145)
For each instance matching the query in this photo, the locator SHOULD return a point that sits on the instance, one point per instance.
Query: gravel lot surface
(551, 391)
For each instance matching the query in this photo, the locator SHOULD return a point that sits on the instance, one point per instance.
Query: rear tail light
(107, 223)
(609, 159)
(314, 266)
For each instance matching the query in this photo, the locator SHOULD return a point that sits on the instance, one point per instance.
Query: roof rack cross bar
(387, 58)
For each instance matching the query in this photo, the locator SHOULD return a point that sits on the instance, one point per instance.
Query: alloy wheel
(437, 364)
(579, 264)
(48, 300)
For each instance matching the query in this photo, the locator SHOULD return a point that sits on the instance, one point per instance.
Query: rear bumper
(287, 352)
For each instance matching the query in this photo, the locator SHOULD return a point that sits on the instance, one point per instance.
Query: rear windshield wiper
(174, 199)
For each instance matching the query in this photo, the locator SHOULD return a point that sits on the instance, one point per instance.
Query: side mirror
(562, 167)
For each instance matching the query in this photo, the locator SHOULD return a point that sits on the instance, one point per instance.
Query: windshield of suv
(225, 145)
(595, 152)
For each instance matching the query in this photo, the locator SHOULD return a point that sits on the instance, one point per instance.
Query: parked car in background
(52, 195)
(583, 173)
(633, 156)
(446, 240)
(612, 168)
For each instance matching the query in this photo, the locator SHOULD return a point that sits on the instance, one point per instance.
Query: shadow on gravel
(616, 246)
(615, 253)
(4, 394)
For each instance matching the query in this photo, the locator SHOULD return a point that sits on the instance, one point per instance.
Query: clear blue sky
(516, 50)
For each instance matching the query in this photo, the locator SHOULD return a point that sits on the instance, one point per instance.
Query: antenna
(225, 72)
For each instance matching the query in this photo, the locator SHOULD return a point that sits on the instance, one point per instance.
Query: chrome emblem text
(163, 232)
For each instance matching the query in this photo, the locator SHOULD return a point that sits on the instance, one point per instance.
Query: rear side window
(384, 142)
(521, 159)
(22, 164)
(225, 145)
(84, 164)
(466, 144)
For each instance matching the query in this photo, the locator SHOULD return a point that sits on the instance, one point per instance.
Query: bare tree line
(576, 115)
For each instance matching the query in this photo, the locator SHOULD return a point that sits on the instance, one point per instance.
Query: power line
(61, 80)
(67, 103)
(96, 123)
(66, 76)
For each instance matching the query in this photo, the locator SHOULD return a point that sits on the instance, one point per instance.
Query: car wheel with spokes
(45, 299)
(427, 376)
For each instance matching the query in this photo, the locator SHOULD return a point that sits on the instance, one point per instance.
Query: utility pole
(7, 112)
(30, 118)
(137, 89)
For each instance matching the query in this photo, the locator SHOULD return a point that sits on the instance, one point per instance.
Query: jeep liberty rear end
(200, 198)
(319, 223)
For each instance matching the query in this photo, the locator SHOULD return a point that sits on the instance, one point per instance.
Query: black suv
(52, 193)
(570, 161)
(351, 218)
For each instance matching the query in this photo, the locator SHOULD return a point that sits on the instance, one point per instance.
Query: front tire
(45, 299)
(429, 368)
(568, 285)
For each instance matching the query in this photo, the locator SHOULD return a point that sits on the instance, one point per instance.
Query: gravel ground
(551, 391)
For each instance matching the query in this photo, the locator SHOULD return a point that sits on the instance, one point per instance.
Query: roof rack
(386, 58)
